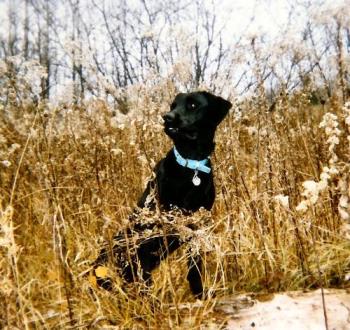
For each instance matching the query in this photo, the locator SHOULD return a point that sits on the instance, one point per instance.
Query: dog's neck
(196, 150)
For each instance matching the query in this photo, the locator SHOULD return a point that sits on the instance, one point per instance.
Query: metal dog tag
(196, 180)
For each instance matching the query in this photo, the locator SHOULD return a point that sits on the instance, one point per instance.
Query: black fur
(191, 124)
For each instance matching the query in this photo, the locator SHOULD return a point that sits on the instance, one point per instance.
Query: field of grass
(70, 176)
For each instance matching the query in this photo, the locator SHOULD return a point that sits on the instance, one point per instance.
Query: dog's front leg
(153, 250)
(194, 275)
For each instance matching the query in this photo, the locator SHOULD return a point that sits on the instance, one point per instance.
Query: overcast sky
(269, 15)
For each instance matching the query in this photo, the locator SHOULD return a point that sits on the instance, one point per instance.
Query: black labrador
(184, 181)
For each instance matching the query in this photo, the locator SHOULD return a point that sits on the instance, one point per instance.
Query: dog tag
(196, 180)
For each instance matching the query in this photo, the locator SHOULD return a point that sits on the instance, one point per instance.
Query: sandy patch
(288, 311)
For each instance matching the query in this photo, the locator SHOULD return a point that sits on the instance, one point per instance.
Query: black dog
(184, 180)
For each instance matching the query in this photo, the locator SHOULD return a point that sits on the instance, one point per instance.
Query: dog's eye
(192, 105)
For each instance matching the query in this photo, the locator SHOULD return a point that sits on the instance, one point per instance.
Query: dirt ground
(287, 311)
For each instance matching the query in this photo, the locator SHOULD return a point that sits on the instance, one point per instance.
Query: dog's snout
(169, 117)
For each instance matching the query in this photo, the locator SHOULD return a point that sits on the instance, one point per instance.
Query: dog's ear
(220, 107)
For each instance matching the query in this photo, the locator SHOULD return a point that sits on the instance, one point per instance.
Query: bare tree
(26, 31)
(77, 66)
(12, 30)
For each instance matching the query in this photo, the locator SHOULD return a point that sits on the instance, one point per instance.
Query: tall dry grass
(71, 175)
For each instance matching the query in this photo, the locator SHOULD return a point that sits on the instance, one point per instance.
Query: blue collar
(197, 165)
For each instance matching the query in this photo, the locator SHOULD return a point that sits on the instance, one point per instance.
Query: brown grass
(77, 175)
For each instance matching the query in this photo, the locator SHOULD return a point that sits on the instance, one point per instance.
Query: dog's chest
(176, 187)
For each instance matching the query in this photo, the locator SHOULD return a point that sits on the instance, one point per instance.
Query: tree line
(189, 42)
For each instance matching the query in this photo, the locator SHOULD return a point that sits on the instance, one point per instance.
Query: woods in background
(100, 48)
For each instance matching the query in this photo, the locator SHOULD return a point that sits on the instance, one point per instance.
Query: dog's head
(195, 114)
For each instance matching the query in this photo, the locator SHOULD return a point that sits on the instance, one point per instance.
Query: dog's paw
(105, 283)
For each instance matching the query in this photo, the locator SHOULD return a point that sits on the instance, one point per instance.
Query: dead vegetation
(70, 176)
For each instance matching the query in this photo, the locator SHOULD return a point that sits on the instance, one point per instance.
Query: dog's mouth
(182, 132)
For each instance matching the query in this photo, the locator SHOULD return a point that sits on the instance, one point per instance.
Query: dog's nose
(169, 117)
